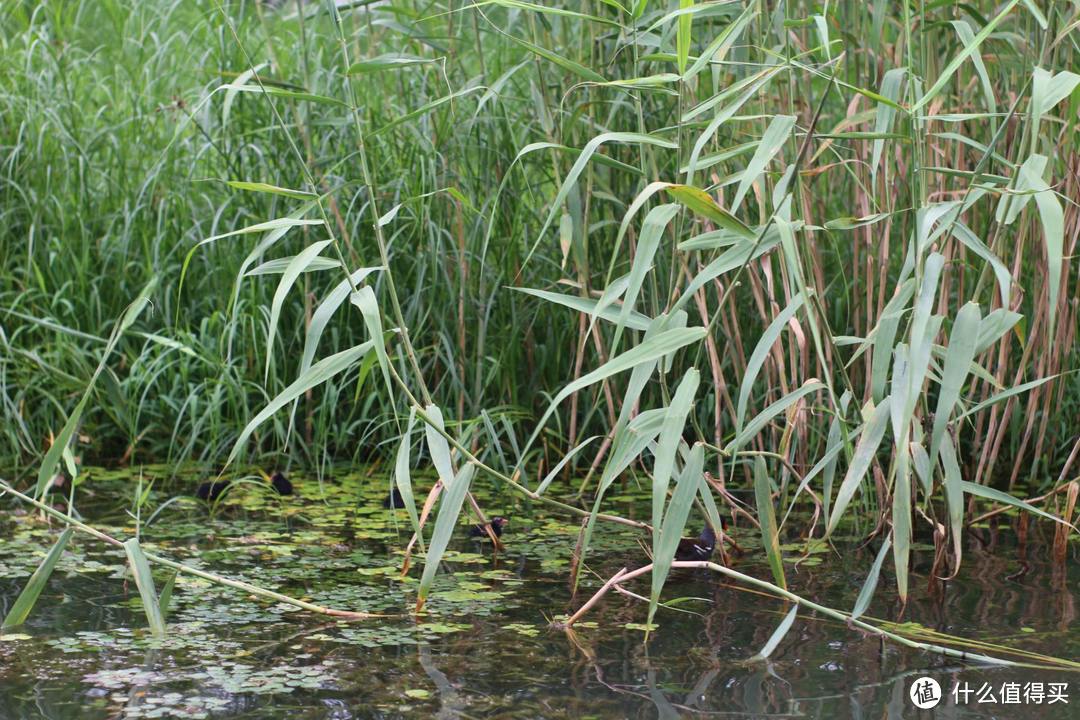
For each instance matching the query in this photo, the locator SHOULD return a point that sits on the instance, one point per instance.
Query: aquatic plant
(824, 251)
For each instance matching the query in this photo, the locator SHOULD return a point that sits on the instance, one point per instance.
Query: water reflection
(490, 652)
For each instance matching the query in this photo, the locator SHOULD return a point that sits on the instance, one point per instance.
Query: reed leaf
(595, 308)
(24, 603)
(402, 476)
(990, 493)
(960, 353)
(870, 584)
(144, 580)
(762, 419)
(777, 635)
(450, 502)
(718, 47)
(165, 596)
(873, 432)
(651, 232)
(701, 203)
(953, 484)
(968, 49)
(437, 444)
(1053, 222)
(364, 298)
(761, 352)
(288, 278)
(388, 61)
(670, 435)
(60, 443)
(770, 533)
(674, 522)
(775, 136)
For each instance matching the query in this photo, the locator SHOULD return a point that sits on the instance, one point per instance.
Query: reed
(824, 250)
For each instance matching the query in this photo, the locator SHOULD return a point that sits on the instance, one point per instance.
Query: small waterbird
(281, 483)
(394, 500)
(497, 524)
(699, 548)
(211, 490)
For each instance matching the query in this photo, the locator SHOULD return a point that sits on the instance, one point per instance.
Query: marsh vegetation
(803, 273)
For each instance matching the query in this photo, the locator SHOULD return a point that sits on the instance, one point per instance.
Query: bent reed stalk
(624, 575)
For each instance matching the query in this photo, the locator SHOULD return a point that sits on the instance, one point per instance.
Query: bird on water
(497, 525)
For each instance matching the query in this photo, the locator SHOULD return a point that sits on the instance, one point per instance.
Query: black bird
(212, 489)
(497, 524)
(394, 500)
(700, 548)
(281, 483)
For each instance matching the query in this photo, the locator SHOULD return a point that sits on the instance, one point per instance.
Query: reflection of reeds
(827, 258)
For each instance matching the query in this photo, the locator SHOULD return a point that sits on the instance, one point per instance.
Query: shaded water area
(484, 647)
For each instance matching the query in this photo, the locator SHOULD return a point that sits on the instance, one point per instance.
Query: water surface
(485, 648)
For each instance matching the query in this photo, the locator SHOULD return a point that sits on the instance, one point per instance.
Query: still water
(485, 648)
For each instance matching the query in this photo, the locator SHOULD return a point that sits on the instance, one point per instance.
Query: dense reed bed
(825, 251)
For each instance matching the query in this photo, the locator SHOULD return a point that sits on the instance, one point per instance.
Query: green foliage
(849, 239)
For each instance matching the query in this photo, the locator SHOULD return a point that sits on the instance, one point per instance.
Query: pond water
(485, 648)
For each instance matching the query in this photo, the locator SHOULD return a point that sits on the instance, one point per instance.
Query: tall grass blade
(437, 444)
(965, 52)
(261, 187)
(870, 584)
(701, 203)
(275, 91)
(990, 493)
(389, 61)
(670, 435)
(1004, 395)
(293, 271)
(449, 509)
(402, 476)
(564, 62)
(279, 227)
(144, 580)
(60, 443)
(953, 483)
(762, 419)
(761, 352)
(24, 604)
(569, 456)
(777, 636)
(960, 353)
(651, 232)
(594, 308)
(682, 37)
(325, 311)
(165, 596)
(901, 522)
(678, 510)
(364, 299)
(570, 181)
(775, 136)
(719, 46)
(873, 432)
(650, 350)
(770, 533)
(1053, 222)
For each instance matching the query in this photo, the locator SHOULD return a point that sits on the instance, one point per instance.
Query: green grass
(857, 222)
